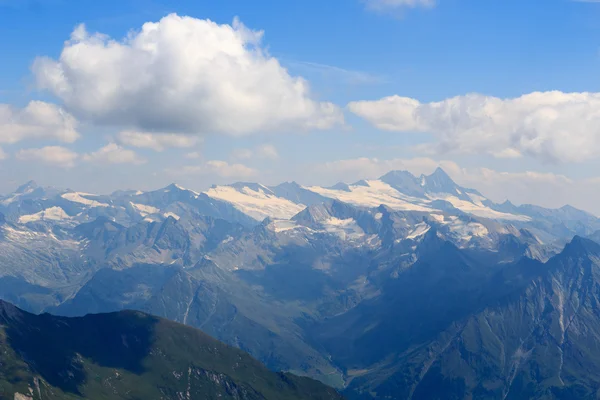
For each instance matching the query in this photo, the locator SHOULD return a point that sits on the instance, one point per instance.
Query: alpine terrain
(401, 287)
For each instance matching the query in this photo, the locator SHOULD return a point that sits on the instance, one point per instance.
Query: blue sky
(346, 51)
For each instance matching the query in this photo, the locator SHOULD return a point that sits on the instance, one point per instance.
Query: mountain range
(399, 287)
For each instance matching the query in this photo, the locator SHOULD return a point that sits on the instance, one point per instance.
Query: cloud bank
(552, 126)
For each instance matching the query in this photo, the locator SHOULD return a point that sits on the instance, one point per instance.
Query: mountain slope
(131, 355)
(213, 300)
(530, 331)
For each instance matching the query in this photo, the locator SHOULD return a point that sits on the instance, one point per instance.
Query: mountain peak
(27, 187)
(405, 182)
(439, 173)
(398, 173)
(340, 186)
(255, 187)
(439, 181)
(581, 245)
(296, 193)
(575, 212)
(362, 182)
(289, 185)
(174, 186)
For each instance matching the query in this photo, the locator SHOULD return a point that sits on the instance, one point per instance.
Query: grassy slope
(131, 355)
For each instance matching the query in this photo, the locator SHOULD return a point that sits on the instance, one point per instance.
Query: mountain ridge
(129, 353)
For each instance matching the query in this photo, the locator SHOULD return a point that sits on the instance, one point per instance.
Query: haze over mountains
(382, 288)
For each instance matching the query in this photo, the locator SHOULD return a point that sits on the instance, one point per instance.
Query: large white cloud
(553, 126)
(37, 120)
(51, 155)
(182, 75)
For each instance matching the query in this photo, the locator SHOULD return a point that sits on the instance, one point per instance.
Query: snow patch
(282, 225)
(10, 199)
(227, 240)
(81, 198)
(374, 195)
(144, 209)
(171, 214)
(477, 208)
(258, 204)
(465, 231)
(420, 229)
(438, 218)
(344, 228)
(187, 190)
(49, 214)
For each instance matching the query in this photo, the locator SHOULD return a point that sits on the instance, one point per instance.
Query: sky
(502, 94)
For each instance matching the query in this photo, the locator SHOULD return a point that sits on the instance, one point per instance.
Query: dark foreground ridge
(131, 355)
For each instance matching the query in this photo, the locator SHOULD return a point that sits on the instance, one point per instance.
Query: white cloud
(263, 152)
(156, 141)
(226, 170)
(383, 5)
(552, 126)
(218, 168)
(267, 151)
(112, 153)
(52, 155)
(194, 155)
(37, 120)
(182, 75)
(242, 154)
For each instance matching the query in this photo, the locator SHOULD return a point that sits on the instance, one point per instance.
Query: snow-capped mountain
(257, 266)
(435, 197)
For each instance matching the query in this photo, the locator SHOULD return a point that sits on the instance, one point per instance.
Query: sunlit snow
(78, 197)
(49, 214)
(256, 204)
(374, 195)
(144, 209)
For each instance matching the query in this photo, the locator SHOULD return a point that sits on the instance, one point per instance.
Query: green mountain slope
(131, 355)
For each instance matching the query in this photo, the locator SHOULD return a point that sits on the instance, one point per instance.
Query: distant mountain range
(382, 288)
